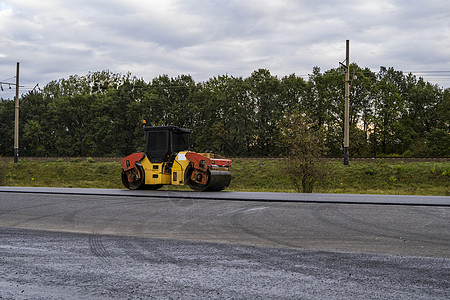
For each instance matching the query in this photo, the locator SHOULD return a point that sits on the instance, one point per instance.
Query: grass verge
(267, 175)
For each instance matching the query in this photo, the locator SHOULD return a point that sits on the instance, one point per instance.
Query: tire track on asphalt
(144, 252)
(98, 236)
(342, 220)
(237, 223)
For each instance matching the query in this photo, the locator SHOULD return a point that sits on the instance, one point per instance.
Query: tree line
(391, 113)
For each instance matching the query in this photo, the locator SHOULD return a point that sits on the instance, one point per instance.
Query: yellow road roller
(167, 161)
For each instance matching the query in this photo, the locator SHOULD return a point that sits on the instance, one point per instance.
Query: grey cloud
(54, 39)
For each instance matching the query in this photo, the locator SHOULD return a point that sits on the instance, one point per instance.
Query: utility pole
(16, 119)
(347, 108)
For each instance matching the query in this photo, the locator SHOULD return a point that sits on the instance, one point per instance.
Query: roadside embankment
(377, 177)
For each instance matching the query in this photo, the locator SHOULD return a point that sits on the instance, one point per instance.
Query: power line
(427, 71)
(9, 83)
(9, 78)
(431, 75)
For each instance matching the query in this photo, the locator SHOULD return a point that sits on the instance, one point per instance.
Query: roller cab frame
(168, 161)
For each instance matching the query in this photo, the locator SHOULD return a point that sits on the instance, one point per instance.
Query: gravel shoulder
(55, 265)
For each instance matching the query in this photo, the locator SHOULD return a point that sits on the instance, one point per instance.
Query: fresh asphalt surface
(246, 196)
(104, 244)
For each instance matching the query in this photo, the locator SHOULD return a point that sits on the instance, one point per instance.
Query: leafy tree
(170, 100)
(36, 125)
(264, 90)
(389, 108)
(360, 146)
(126, 110)
(99, 114)
(314, 104)
(438, 141)
(227, 116)
(6, 127)
(443, 111)
(362, 93)
(71, 125)
(293, 91)
(35, 137)
(324, 104)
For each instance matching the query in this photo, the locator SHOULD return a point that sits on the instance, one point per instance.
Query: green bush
(305, 145)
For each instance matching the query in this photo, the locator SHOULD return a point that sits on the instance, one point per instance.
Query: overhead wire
(9, 78)
(429, 75)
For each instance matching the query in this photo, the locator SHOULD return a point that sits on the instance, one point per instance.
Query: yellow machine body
(161, 173)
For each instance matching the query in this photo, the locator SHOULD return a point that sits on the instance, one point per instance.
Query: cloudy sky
(53, 39)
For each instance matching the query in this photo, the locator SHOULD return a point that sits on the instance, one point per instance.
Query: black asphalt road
(90, 246)
(245, 196)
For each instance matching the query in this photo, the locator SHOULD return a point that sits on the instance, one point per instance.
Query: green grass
(412, 178)
(77, 173)
(267, 175)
